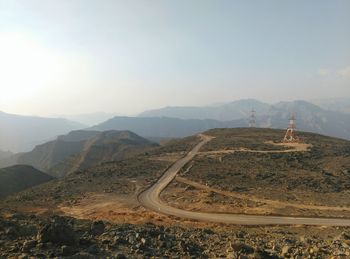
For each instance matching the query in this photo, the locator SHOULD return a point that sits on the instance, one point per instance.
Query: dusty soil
(316, 172)
(189, 195)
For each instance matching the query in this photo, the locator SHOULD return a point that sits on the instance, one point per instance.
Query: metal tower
(291, 136)
(252, 120)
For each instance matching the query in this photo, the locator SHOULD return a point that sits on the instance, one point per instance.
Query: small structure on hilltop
(291, 136)
(252, 120)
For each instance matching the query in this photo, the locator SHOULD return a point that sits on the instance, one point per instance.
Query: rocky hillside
(22, 133)
(20, 177)
(82, 149)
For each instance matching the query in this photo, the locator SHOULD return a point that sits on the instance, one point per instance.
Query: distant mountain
(80, 150)
(222, 112)
(22, 133)
(334, 104)
(5, 154)
(309, 117)
(90, 119)
(162, 127)
(20, 177)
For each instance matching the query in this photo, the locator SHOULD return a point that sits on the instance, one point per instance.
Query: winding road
(150, 199)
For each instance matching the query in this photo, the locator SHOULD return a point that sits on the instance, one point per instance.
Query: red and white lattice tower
(291, 136)
(252, 120)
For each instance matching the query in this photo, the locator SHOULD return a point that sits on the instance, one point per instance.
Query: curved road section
(150, 199)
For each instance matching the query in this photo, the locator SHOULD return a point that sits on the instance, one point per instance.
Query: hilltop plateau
(250, 171)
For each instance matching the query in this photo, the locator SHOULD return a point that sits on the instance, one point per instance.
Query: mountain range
(23, 133)
(90, 119)
(310, 117)
(334, 104)
(20, 133)
(164, 127)
(223, 112)
(80, 150)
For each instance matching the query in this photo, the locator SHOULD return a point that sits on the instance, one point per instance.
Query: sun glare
(25, 66)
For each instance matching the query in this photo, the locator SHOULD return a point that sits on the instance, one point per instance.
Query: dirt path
(150, 199)
(274, 203)
(293, 147)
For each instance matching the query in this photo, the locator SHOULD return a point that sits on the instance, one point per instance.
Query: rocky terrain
(318, 176)
(29, 236)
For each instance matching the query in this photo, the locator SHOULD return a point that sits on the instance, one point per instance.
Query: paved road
(151, 200)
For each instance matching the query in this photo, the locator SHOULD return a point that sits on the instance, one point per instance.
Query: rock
(106, 241)
(14, 248)
(67, 250)
(82, 255)
(266, 254)
(285, 250)
(345, 236)
(27, 231)
(58, 231)
(23, 256)
(85, 241)
(41, 246)
(120, 256)
(97, 228)
(93, 249)
(11, 232)
(241, 247)
(28, 245)
(18, 216)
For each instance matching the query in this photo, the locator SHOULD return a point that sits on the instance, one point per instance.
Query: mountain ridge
(19, 133)
(310, 117)
(80, 150)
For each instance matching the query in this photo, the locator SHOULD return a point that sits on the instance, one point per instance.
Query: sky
(82, 56)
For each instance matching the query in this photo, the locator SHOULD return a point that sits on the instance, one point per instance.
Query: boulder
(241, 247)
(57, 231)
(120, 256)
(28, 245)
(67, 250)
(97, 228)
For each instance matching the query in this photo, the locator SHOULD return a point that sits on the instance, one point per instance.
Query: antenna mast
(291, 136)
(252, 120)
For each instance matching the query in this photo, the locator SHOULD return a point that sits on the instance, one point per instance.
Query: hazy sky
(80, 56)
